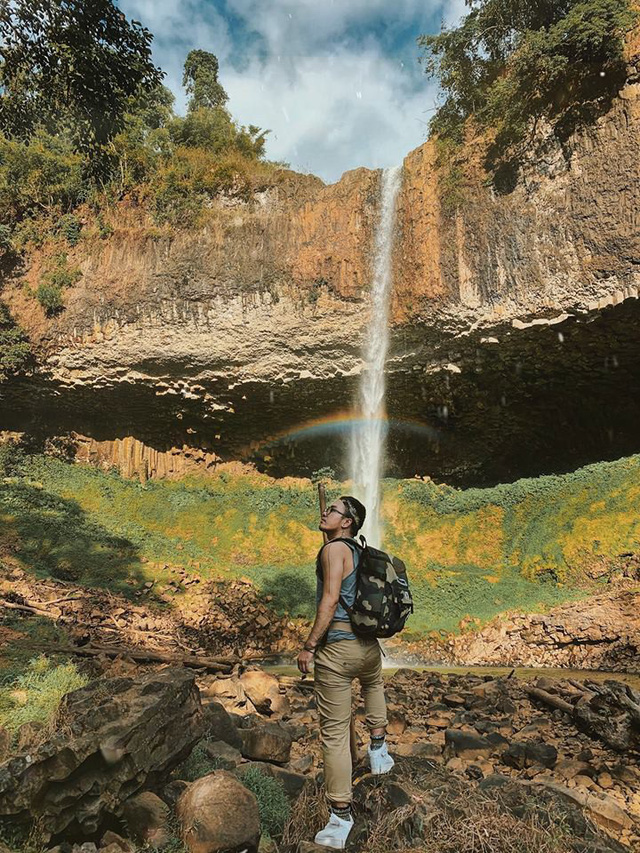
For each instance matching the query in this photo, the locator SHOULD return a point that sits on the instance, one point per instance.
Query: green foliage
(57, 278)
(69, 226)
(95, 138)
(49, 295)
(454, 596)
(6, 243)
(15, 350)
(472, 553)
(12, 458)
(200, 80)
(19, 839)
(34, 696)
(511, 63)
(36, 524)
(71, 66)
(198, 764)
(273, 805)
(43, 175)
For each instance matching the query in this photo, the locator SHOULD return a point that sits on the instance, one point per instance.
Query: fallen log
(28, 608)
(142, 656)
(549, 699)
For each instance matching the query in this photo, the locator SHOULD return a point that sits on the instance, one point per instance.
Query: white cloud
(333, 99)
(349, 110)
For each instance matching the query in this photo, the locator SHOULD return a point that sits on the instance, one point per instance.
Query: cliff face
(248, 327)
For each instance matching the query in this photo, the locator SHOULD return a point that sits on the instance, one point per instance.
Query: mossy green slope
(470, 553)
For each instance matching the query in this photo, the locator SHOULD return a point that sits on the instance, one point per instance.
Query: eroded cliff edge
(514, 342)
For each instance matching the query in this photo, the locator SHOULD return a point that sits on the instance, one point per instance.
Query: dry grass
(445, 815)
(309, 814)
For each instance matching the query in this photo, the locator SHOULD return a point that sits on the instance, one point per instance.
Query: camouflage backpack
(383, 599)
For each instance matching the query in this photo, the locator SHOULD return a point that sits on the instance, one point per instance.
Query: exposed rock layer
(225, 337)
(113, 736)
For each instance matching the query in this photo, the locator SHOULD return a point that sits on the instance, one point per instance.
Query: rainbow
(341, 424)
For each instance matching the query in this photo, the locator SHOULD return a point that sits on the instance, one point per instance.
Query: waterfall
(368, 438)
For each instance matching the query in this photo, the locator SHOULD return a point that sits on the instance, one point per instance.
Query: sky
(337, 82)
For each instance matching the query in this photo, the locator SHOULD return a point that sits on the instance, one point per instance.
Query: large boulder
(217, 813)
(220, 726)
(263, 690)
(267, 742)
(146, 818)
(114, 737)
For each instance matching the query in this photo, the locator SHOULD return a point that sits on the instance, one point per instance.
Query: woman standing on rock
(339, 656)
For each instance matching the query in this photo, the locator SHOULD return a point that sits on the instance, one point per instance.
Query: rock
(28, 735)
(263, 690)
(310, 847)
(229, 692)
(603, 808)
(528, 753)
(293, 783)
(610, 712)
(302, 764)
(217, 813)
(220, 726)
(498, 742)
(541, 753)
(582, 782)
(397, 722)
(468, 744)
(118, 735)
(421, 748)
(570, 767)
(604, 780)
(146, 817)
(112, 840)
(628, 774)
(172, 792)
(515, 756)
(5, 743)
(266, 742)
(453, 700)
(226, 756)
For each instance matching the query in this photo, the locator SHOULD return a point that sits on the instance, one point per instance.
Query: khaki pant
(336, 665)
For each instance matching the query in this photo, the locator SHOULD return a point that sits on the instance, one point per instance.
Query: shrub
(69, 226)
(273, 803)
(53, 282)
(198, 764)
(12, 458)
(44, 173)
(15, 350)
(50, 297)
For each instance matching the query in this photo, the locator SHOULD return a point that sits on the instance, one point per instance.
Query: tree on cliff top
(511, 63)
(200, 80)
(70, 65)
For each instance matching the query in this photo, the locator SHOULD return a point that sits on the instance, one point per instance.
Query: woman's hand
(305, 659)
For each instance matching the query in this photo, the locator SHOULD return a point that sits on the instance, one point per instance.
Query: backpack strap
(330, 542)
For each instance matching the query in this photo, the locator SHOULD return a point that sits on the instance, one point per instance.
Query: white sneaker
(380, 760)
(335, 833)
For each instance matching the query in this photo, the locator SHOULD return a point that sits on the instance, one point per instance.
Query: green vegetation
(85, 121)
(470, 554)
(71, 66)
(57, 278)
(512, 64)
(15, 350)
(34, 696)
(198, 764)
(273, 804)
